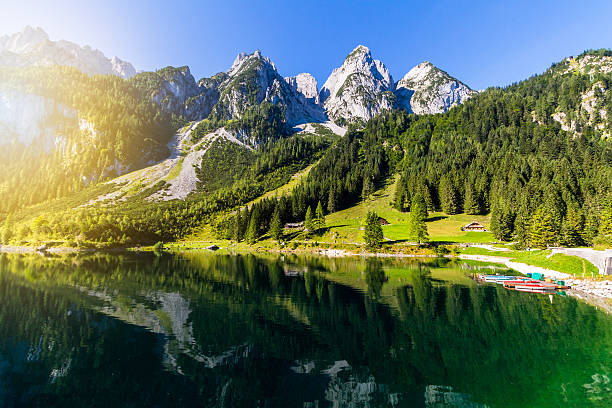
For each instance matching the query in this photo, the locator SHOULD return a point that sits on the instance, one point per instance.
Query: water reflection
(223, 330)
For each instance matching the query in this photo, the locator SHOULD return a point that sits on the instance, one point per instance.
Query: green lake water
(218, 330)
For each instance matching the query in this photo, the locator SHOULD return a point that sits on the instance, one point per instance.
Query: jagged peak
(31, 31)
(23, 40)
(242, 57)
(423, 70)
(358, 51)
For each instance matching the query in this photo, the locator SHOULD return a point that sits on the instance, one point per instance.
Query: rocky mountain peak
(359, 89)
(243, 58)
(360, 51)
(427, 89)
(24, 41)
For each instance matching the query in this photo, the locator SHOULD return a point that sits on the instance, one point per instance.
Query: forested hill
(504, 151)
(536, 151)
(63, 130)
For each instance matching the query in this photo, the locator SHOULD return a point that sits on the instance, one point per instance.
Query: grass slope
(346, 225)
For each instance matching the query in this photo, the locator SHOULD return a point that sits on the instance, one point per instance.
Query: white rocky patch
(305, 84)
(595, 117)
(310, 128)
(588, 64)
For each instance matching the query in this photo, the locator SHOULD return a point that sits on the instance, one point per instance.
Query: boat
(512, 283)
(536, 288)
(496, 278)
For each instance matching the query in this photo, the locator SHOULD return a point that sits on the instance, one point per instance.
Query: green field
(346, 225)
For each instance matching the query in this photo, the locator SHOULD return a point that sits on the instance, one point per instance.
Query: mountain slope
(177, 92)
(62, 130)
(252, 80)
(359, 89)
(32, 47)
(426, 89)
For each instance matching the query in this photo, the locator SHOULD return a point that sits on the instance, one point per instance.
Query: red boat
(536, 288)
(512, 283)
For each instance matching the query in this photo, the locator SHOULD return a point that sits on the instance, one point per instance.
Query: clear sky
(482, 43)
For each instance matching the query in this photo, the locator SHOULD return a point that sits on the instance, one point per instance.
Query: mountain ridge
(32, 47)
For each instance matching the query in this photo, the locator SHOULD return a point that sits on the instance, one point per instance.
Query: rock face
(176, 91)
(253, 79)
(32, 47)
(359, 89)
(427, 89)
(305, 84)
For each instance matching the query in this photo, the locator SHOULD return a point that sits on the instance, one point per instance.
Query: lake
(219, 330)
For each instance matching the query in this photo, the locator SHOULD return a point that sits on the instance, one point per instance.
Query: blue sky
(482, 43)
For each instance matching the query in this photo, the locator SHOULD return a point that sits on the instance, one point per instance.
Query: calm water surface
(207, 330)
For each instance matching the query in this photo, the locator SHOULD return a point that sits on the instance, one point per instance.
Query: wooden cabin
(294, 225)
(382, 221)
(473, 226)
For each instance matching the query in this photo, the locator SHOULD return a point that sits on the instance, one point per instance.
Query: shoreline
(597, 293)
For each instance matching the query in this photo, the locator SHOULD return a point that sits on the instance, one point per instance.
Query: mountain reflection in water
(216, 330)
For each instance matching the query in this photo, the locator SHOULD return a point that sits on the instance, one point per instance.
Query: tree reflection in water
(226, 330)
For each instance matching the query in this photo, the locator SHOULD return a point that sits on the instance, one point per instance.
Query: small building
(382, 221)
(294, 225)
(473, 226)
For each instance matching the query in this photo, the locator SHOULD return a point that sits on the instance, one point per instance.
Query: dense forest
(127, 130)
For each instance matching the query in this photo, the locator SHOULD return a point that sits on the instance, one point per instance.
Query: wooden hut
(294, 225)
(382, 221)
(473, 226)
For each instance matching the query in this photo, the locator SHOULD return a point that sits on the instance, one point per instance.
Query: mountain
(253, 79)
(359, 89)
(177, 92)
(32, 47)
(426, 89)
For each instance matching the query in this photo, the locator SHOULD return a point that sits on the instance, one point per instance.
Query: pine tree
(542, 232)
(373, 234)
(573, 227)
(605, 221)
(400, 197)
(8, 230)
(419, 206)
(309, 220)
(319, 220)
(332, 200)
(252, 232)
(368, 187)
(448, 196)
(239, 225)
(471, 204)
(276, 225)
(417, 228)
